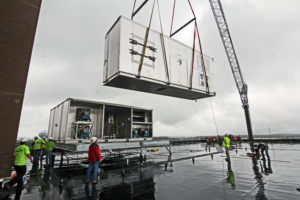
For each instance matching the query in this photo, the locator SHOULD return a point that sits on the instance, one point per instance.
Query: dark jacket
(94, 153)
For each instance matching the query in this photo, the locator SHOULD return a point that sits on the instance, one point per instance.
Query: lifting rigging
(196, 34)
(221, 22)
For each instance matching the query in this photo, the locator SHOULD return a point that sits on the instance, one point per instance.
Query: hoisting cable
(138, 9)
(202, 60)
(193, 56)
(172, 17)
(201, 52)
(133, 9)
(145, 43)
(163, 46)
(214, 118)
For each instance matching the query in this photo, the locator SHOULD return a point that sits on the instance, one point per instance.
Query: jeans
(92, 166)
(48, 158)
(21, 171)
(267, 152)
(36, 156)
(43, 153)
(227, 153)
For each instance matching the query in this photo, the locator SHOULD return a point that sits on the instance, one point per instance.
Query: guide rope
(142, 54)
(214, 118)
(145, 43)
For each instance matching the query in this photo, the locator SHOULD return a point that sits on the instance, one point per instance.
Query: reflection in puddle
(215, 179)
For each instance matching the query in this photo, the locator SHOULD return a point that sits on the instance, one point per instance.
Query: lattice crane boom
(232, 58)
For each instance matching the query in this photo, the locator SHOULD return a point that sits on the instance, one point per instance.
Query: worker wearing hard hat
(21, 154)
(43, 151)
(94, 158)
(36, 152)
(49, 148)
(226, 144)
(263, 148)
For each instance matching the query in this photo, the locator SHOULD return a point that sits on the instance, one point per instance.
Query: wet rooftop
(204, 178)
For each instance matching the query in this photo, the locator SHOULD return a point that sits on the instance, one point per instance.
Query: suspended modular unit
(168, 73)
(78, 120)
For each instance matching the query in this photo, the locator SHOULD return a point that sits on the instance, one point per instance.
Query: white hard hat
(50, 138)
(93, 139)
(24, 140)
(43, 134)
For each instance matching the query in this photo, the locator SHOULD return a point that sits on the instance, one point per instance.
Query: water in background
(204, 178)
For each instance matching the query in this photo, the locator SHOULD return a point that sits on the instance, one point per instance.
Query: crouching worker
(226, 145)
(21, 154)
(94, 158)
(263, 148)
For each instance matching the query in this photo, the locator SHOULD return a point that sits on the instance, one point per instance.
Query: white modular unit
(123, 49)
(79, 120)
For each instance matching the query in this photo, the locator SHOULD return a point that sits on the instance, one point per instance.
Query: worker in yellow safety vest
(226, 144)
(36, 153)
(49, 148)
(21, 154)
(43, 150)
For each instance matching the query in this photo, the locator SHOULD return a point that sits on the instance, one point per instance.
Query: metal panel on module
(78, 120)
(123, 50)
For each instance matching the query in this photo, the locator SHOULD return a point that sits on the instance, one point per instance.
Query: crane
(233, 61)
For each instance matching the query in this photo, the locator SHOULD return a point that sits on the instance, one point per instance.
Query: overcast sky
(67, 61)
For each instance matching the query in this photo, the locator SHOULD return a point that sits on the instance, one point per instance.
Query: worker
(20, 156)
(208, 143)
(263, 148)
(226, 145)
(43, 151)
(36, 152)
(94, 158)
(49, 148)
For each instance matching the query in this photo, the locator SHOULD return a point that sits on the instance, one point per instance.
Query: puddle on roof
(205, 178)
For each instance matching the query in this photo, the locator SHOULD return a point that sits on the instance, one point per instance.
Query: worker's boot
(95, 182)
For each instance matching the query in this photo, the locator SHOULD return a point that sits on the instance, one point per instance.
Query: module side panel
(132, 42)
(112, 51)
(94, 119)
(177, 63)
(57, 122)
(98, 123)
(64, 119)
(50, 127)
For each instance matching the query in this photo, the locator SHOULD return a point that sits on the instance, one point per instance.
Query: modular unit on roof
(168, 73)
(79, 120)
